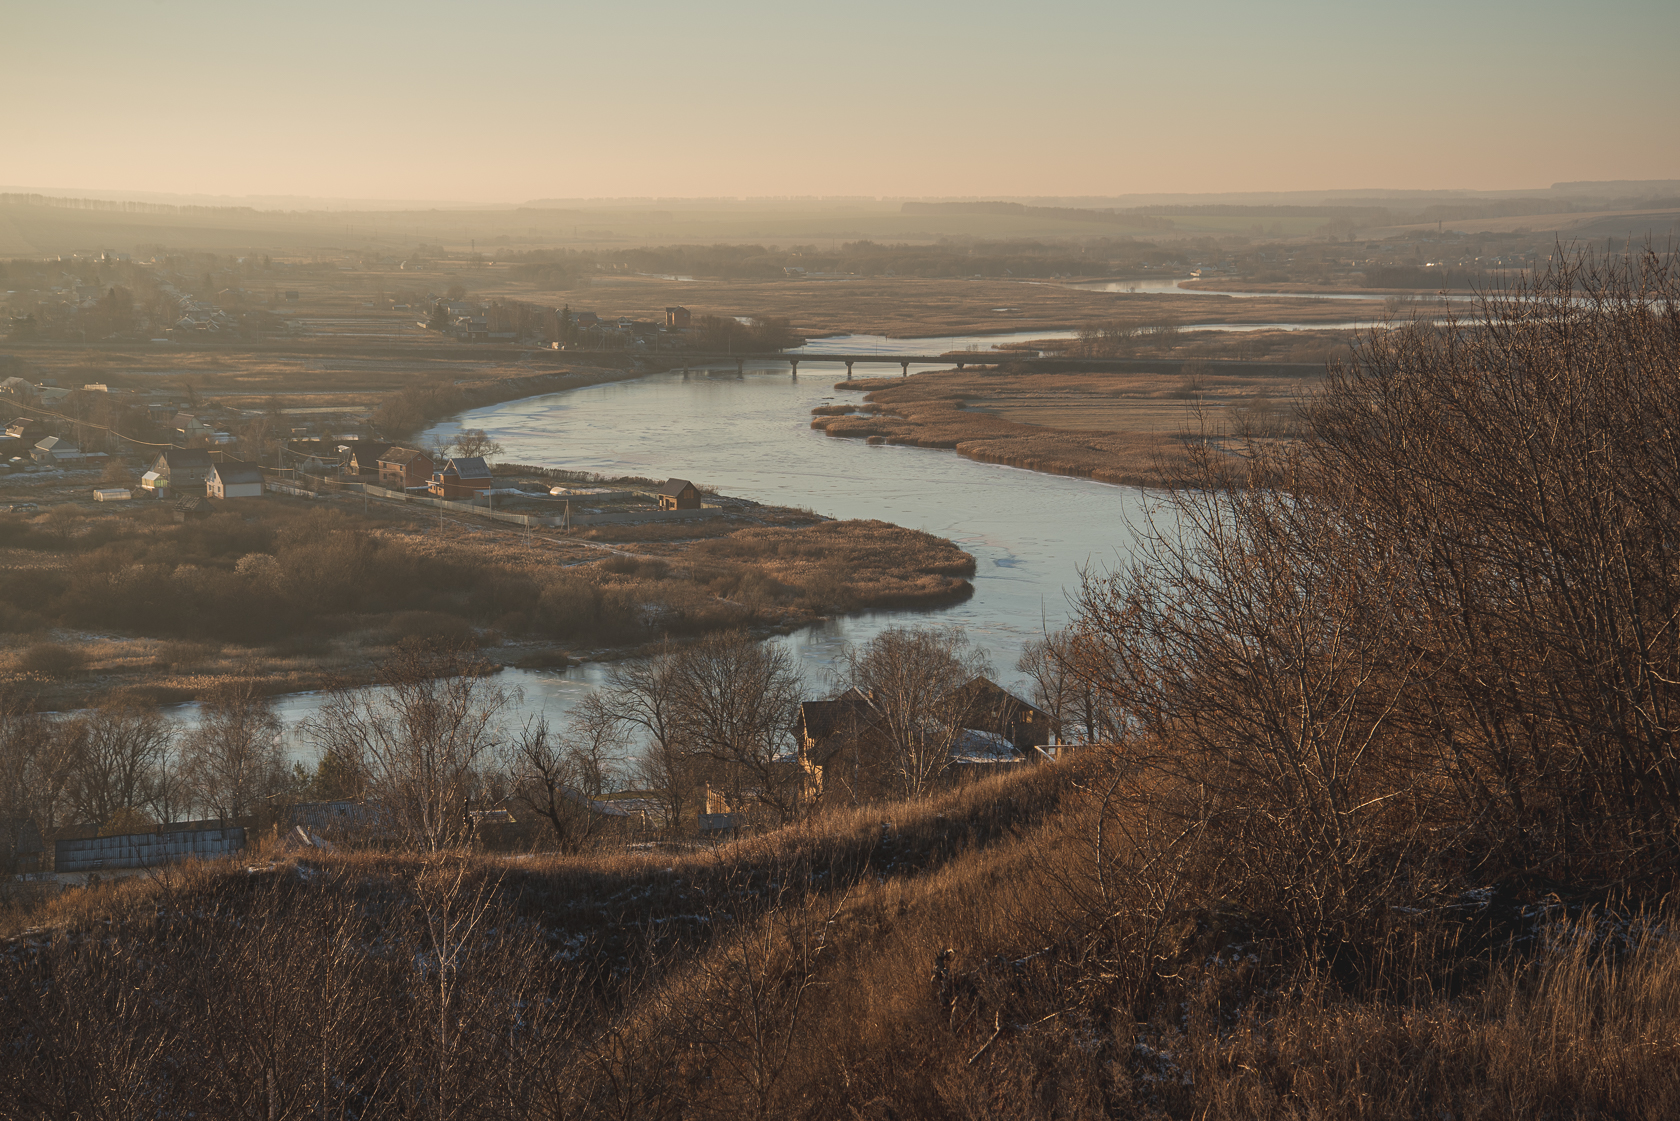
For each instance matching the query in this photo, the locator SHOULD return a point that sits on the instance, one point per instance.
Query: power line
(91, 424)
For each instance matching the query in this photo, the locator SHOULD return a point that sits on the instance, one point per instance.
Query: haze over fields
(517, 100)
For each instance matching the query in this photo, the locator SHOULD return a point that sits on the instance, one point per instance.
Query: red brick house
(462, 477)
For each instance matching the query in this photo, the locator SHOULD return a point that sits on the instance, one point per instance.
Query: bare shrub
(52, 658)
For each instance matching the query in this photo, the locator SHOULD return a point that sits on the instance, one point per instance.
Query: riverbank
(1123, 427)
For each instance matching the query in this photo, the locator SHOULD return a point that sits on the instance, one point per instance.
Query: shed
(193, 508)
(679, 494)
(234, 479)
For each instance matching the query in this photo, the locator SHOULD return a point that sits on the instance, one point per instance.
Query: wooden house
(463, 476)
(401, 468)
(679, 494)
(677, 318)
(233, 479)
(181, 471)
(844, 757)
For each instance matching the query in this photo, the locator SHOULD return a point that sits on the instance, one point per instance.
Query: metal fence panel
(144, 850)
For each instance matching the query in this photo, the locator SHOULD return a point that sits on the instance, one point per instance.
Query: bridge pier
(740, 368)
(906, 367)
(795, 362)
(848, 369)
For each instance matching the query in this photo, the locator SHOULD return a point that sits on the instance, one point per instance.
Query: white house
(232, 479)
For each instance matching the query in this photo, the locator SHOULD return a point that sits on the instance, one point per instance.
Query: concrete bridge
(957, 358)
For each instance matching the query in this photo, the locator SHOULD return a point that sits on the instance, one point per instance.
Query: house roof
(18, 385)
(369, 452)
(467, 467)
(178, 458)
(402, 456)
(987, 700)
(232, 471)
(674, 487)
(196, 504)
(55, 443)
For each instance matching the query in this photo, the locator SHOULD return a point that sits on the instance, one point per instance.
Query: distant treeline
(1060, 213)
(1411, 276)
(123, 207)
(864, 258)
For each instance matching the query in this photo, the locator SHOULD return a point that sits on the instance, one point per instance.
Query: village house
(234, 479)
(679, 494)
(181, 471)
(462, 477)
(677, 318)
(401, 468)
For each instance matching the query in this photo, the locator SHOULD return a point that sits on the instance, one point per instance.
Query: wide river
(1031, 534)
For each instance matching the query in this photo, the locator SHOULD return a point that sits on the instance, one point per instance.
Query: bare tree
(116, 750)
(736, 698)
(475, 442)
(234, 759)
(1067, 671)
(914, 678)
(428, 734)
(641, 695)
(559, 779)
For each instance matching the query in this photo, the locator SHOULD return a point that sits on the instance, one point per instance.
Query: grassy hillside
(991, 952)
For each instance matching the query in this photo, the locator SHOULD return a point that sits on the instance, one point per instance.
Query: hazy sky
(503, 101)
